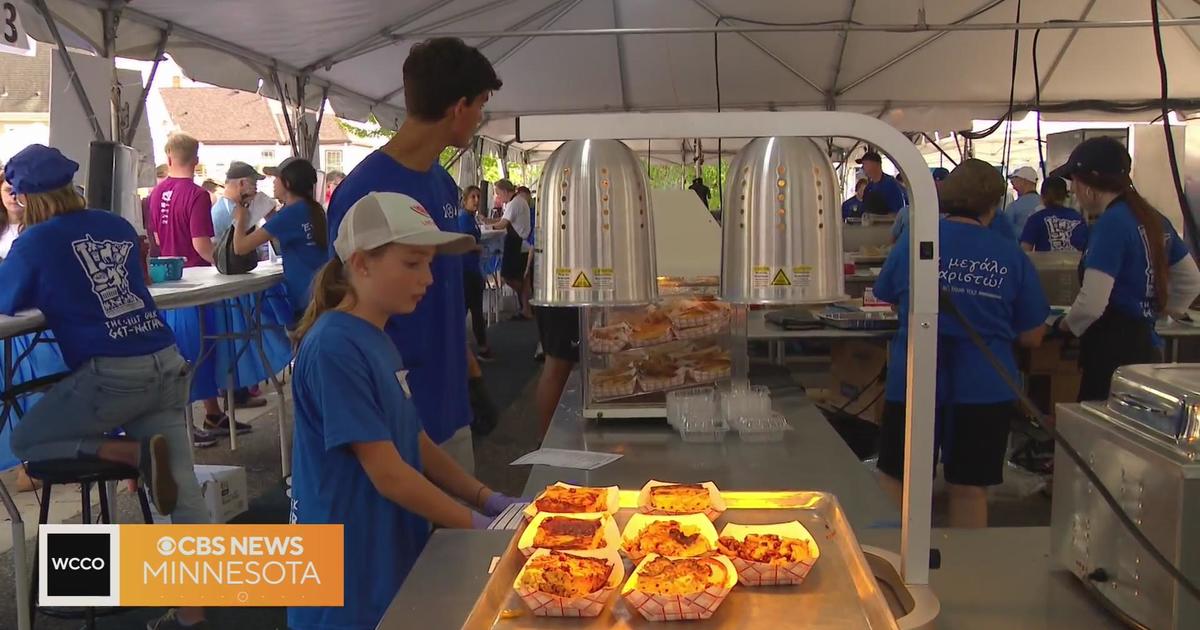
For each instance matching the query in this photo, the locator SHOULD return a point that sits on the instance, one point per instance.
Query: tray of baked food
(674, 551)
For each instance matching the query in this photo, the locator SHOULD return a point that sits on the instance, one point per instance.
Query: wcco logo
(78, 565)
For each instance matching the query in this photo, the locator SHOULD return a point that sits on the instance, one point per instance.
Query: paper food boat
(692, 606)
(766, 574)
(611, 536)
(659, 383)
(638, 522)
(716, 502)
(590, 605)
(612, 501)
(598, 343)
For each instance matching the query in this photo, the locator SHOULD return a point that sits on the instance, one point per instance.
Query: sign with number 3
(13, 38)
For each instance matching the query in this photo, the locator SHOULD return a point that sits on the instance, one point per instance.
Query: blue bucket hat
(37, 169)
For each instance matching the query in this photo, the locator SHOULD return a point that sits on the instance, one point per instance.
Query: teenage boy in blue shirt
(446, 85)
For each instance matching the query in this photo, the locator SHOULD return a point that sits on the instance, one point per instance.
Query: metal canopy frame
(831, 93)
(923, 239)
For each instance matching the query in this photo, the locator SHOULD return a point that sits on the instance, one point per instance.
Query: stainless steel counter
(811, 457)
(993, 579)
(990, 579)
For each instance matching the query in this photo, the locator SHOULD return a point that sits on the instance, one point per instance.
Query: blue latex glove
(496, 503)
(479, 521)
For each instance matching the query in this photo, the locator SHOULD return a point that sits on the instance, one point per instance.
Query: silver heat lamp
(594, 228)
(782, 225)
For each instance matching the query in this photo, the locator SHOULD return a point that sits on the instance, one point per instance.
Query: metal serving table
(811, 457)
(990, 579)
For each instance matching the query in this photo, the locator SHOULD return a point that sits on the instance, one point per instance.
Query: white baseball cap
(381, 218)
(1026, 173)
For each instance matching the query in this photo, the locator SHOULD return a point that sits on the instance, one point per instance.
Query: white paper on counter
(564, 458)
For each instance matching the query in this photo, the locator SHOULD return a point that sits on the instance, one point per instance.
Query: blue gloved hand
(479, 521)
(496, 503)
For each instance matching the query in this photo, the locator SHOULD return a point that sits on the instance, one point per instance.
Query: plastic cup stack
(692, 400)
(741, 401)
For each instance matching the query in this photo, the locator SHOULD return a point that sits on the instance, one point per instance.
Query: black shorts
(559, 330)
(971, 441)
(513, 265)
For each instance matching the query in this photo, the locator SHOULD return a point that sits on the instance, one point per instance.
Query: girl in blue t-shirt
(360, 456)
(1135, 269)
(83, 270)
(298, 227)
(995, 287)
(1055, 227)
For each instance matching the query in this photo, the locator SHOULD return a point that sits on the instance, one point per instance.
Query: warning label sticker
(562, 278)
(574, 278)
(780, 279)
(602, 278)
(760, 277)
(802, 275)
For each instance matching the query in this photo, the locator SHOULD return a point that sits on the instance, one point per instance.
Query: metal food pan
(841, 592)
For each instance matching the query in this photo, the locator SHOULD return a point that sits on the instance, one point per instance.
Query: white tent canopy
(922, 65)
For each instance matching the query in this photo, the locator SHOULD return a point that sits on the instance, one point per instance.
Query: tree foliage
(676, 176)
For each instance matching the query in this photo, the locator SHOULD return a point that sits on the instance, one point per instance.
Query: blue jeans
(143, 395)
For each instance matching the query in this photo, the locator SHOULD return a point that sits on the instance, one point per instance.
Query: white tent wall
(917, 76)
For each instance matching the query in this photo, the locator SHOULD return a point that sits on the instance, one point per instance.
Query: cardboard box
(224, 491)
(855, 370)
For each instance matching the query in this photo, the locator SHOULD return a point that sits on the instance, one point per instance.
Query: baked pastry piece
(562, 532)
(767, 548)
(566, 575)
(679, 576)
(668, 538)
(564, 500)
(682, 498)
(655, 328)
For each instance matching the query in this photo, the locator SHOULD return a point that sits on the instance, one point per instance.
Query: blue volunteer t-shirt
(995, 286)
(468, 225)
(347, 389)
(1117, 247)
(852, 208)
(83, 270)
(302, 256)
(1055, 229)
(432, 339)
(892, 193)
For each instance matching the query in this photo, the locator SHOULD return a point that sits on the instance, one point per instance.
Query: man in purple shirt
(184, 224)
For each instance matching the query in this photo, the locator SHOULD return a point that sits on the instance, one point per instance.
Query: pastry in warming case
(632, 356)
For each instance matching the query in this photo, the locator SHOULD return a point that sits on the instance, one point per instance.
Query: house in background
(242, 126)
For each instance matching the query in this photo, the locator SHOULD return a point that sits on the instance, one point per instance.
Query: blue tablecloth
(212, 375)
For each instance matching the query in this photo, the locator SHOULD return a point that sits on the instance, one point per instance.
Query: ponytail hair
(1151, 223)
(316, 216)
(1054, 192)
(329, 288)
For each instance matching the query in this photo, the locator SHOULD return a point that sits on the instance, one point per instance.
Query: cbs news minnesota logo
(190, 565)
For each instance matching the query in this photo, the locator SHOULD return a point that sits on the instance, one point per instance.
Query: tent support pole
(385, 34)
(392, 34)
(922, 44)
(314, 141)
(621, 64)
(134, 121)
(283, 105)
(491, 40)
(939, 148)
(65, 57)
(763, 49)
(843, 38)
(1062, 52)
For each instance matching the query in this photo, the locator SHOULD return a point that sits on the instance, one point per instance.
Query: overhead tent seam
(540, 13)
(1062, 52)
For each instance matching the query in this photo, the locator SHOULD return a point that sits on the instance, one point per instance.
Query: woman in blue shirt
(360, 456)
(299, 227)
(1135, 269)
(994, 285)
(1055, 227)
(468, 223)
(82, 268)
